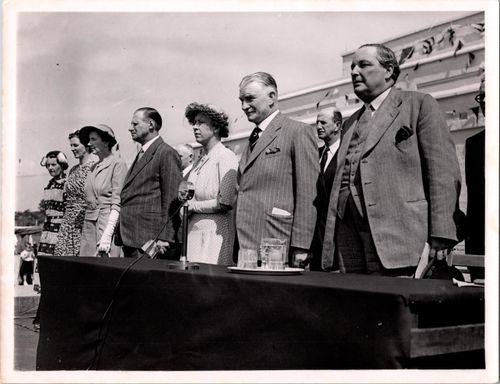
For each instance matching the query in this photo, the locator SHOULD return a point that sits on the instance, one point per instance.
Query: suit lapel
(267, 137)
(145, 159)
(382, 119)
(345, 139)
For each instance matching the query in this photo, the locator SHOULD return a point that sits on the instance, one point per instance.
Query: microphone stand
(183, 263)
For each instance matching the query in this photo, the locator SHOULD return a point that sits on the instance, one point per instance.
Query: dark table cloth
(211, 319)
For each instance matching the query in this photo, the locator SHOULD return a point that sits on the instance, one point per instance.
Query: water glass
(247, 258)
(272, 253)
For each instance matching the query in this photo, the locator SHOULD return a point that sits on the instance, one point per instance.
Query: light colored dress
(54, 204)
(102, 194)
(68, 239)
(210, 229)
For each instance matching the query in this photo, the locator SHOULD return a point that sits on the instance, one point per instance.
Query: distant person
(26, 267)
(150, 191)
(475, 180)
(102, 193)
(328, 126)
(398, 182)
(186, 153)
(70, 233)
(211, 220)
(54, 203)
(277, 173)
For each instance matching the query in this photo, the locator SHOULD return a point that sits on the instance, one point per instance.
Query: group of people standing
(386, 182)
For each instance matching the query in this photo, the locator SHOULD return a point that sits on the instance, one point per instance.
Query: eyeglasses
(480, 98)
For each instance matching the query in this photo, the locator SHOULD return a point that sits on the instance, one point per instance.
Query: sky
(81, 68)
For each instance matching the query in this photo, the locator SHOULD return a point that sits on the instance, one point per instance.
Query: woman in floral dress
(70, 233)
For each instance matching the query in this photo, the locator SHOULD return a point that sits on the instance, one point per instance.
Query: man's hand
(300, 258)
(162, 246)
(440, 247)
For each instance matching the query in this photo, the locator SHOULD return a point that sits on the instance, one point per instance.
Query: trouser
(355, 247)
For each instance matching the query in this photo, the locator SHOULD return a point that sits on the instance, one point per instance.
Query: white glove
(104, 245)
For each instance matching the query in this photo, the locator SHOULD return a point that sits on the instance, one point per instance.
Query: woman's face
(77, 148)
(96, 144)
(55, 170)
(202, 128)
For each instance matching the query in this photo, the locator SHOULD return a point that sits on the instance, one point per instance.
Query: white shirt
(265, 123)
(377, 102)
(331, 152)
(186, 170)
(148, 144)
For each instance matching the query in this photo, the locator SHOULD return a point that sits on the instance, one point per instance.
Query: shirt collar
(264, 123)
(148, 144)
(379, 99)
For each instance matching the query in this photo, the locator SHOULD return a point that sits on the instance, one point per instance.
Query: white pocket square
(280, 212)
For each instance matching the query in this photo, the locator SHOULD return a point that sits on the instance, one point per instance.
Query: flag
(334, 92)
(428, 45)
(476, 111)
(478, 27)
(451, 35)
(459, 47)
(416, 67)
(470, 60)
(406, 54)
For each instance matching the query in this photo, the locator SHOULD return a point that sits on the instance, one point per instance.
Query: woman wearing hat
(53, 200)
(211, 221)
(68, 239)
(102, 193)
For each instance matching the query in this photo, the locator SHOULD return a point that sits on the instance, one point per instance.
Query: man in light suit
(277, 173)
(328, 127)
(398, 179)
(150, 189)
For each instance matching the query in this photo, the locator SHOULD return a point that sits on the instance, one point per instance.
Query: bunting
(406, 53)
(450, 36)
(476, 111)
(470, 59)
(459, 46)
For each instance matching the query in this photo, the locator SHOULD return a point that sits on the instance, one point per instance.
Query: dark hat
(106, 133)
(214, 113)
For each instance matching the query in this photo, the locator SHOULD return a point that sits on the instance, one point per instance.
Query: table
(211, 319)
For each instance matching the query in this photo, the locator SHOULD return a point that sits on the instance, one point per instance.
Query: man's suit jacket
(324, 188)
(280, 173)
(474, 178)
(410, 179)
(149, 196)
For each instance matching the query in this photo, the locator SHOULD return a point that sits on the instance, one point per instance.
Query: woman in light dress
(68, 239)
(211, 215)
(102, 193)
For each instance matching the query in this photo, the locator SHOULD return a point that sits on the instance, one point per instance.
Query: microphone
(185, 191)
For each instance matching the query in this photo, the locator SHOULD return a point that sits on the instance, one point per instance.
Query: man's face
(257, 101)
(140, 127)
(186, 158)
(369, 77)
(325, 126)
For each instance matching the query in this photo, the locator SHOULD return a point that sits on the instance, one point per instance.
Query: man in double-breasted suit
(397, 182)
(150, 189)
(328, 126)
(277, 173)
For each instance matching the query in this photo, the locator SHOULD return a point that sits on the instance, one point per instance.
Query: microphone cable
(104, 325)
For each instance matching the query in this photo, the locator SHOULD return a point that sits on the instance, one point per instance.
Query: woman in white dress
(211, 215)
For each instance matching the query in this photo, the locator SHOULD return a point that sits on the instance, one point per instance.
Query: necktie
(324, 158)
(254, 136)
(140, 154)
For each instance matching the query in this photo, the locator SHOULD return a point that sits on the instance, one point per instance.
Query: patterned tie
(254, 137)
(324, 158)
(364, 122)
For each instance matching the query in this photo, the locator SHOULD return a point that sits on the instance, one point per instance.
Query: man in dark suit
(277, 173)
(397, 181)
(474, 178)
(328, 126)
(150, 189)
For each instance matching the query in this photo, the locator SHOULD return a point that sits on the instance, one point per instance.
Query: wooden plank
(438, 341)
(467, 260)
